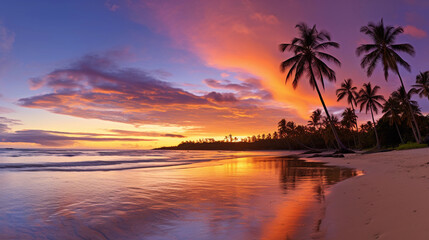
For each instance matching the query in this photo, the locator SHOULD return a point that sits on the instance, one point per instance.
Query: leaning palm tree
(308, 59)
(385, 50)
(422, 85)
(369, 100)
(392, 112)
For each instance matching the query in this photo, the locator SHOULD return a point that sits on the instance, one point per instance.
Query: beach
(389, 201)
(213, 195)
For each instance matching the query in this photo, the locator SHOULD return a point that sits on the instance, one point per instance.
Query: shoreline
(388, 202)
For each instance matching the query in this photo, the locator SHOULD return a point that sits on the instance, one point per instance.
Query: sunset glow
(147, 73)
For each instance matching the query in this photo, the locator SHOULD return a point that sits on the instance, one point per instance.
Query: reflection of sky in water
(243, 198)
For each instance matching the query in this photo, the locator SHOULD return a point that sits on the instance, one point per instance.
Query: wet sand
(390, 201)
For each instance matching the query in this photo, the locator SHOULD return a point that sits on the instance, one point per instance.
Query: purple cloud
(249, 88)
(95, 87)
(221, 97)
(147, 134)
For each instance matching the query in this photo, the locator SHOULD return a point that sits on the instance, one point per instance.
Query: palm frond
(328, 57)
(298, 73)
(365, 48)
(405, 47)
(401, 62)
(289, 62)
(325, 45)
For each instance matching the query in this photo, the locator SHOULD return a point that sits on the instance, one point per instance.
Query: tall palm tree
(405, 99)
(308, 58)
(348, 90)
(369, 100)
(385, 50)
(392, 112)
(422, 85)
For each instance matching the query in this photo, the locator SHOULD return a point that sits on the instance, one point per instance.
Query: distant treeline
(316, 135)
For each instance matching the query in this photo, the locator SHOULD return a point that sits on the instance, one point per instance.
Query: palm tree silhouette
(349, 118)
(392, 112)
(348, 90)
(282, 128)
(422, 85)
(385, 50)
(308, 58)
(369, 100)
(405, 99)
(315, 118)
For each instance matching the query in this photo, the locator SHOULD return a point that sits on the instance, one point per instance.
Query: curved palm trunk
(399, 133)
(419, 136)
(375, 129)
(340, 144)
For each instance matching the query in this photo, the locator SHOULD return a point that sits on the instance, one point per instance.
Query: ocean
(154, 194)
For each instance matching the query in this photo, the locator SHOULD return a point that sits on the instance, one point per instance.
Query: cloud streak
(414, 31)
(95, 87)
(7, 38)
(52, 139)
(61, 138)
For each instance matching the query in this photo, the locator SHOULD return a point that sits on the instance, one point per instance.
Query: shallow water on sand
(64, 194)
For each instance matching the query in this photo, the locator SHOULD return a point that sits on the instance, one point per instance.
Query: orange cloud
(244, 41)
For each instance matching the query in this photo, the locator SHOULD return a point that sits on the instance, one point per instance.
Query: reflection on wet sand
(244, 198)
(305, 183)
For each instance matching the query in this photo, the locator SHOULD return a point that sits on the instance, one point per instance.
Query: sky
(151, 73)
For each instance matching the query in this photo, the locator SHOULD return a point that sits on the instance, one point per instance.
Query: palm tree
(392, 112)
(369, 100)
(349, 121)
(282, 128)
(348, 90)
(334, 120)
(385, 50)
(275, 135)
(327, 134)
(308, 58)
(366, 127)
(405, 99)
(422, 86)
(315, 118)
(349, 118)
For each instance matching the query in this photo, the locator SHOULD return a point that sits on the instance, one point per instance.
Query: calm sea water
(71, 194)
